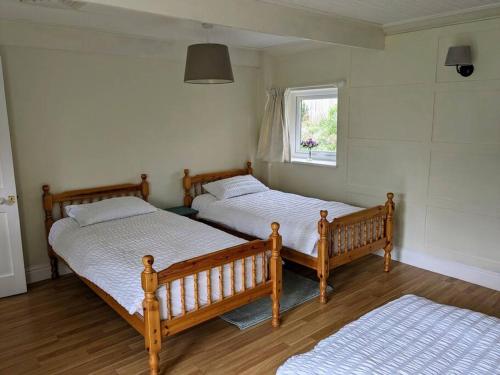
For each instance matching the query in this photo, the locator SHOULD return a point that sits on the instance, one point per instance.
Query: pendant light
(208, 63)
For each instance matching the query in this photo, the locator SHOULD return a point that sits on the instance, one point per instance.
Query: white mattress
(410, 335)
(109, 254)
(251, 214)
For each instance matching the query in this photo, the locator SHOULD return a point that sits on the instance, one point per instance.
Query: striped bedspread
(411, 335)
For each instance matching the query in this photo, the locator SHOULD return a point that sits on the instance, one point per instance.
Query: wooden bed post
(186, 182)
(323, 256)
(389, 207)
(152, 328)
(48, 206)
(249, 167)
(276, 272)
(144, 187)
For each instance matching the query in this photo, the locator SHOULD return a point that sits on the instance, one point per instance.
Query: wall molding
(479, 276)
(39, 272)
(442, 20)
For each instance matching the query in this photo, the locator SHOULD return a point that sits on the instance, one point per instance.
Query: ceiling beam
(262, 17)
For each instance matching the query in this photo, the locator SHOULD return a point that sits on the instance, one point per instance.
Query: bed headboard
(192, 184)
(53, 204)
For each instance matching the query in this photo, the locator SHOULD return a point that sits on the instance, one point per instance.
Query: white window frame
(293, 98)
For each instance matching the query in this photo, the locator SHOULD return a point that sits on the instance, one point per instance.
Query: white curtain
(274, 142)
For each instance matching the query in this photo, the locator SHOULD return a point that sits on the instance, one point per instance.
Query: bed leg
(48, 206)
(323, 269)
(389, 207)
(152, 326)
(276, 272)
(387, 258)
(54, 267)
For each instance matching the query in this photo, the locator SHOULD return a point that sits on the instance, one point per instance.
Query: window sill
(319, 163)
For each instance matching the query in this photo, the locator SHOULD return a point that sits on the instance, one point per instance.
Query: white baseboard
(475, 275)
(41, 272)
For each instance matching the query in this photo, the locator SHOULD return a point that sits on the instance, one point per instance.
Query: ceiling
(78, 14)
(388, 11)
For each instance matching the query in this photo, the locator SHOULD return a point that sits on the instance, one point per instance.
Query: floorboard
(61, 327)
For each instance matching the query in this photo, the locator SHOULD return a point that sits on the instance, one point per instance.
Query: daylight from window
(319, 121)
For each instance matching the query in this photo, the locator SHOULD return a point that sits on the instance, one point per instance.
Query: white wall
(106, 108)
(410, 125)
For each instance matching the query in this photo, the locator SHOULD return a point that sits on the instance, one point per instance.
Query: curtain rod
(340, 83)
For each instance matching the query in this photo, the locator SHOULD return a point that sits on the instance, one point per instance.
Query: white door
(12, 276)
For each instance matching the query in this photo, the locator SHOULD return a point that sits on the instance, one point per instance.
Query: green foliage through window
(319, 122)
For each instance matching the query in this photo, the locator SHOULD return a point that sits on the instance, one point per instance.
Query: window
(312, 115)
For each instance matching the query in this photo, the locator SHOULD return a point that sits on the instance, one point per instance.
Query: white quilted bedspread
(411, 335)
(251, 214)
(110, 255)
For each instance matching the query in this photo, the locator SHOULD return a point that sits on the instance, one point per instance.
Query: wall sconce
(461, 58)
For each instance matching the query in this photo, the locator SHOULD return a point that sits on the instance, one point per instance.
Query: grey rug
(296, 290)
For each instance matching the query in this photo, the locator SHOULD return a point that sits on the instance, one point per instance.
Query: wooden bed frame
(371, 229)
(150, 325)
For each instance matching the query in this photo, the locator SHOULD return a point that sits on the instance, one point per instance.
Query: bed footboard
(352, 236)
(201, 271)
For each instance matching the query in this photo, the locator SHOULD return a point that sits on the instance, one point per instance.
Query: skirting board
(41, 272)
(471, 274)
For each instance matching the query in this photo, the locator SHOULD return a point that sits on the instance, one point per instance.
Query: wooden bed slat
(196, 296)
(209, 288)
(232, 277)
(243, 275)
(221, 282)
(254, 272)
(169, 300)
(183, 295)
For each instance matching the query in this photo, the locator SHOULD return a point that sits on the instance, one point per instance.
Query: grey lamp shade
(208, 63)
(460, 55)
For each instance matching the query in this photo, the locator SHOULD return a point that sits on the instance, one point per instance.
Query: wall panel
(473, 237)
(466, 179)
(385, 166)
(467, 116)
(391, 113)
(407, 59)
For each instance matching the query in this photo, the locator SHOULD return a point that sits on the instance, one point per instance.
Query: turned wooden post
(48, 205)
(144, 187)
(323, 270)
(186, 182)
(276, 272)
(389, 207)
(151, 309)
(249, 167)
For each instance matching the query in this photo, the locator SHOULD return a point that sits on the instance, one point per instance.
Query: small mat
(296, 290)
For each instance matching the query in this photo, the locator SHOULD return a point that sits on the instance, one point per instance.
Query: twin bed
(195, 280)
(343, 233)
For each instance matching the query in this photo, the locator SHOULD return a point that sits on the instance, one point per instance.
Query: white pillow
(202, 201)
(235, 186)
(108, 209)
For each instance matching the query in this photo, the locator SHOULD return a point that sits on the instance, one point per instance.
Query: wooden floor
(61, 327)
